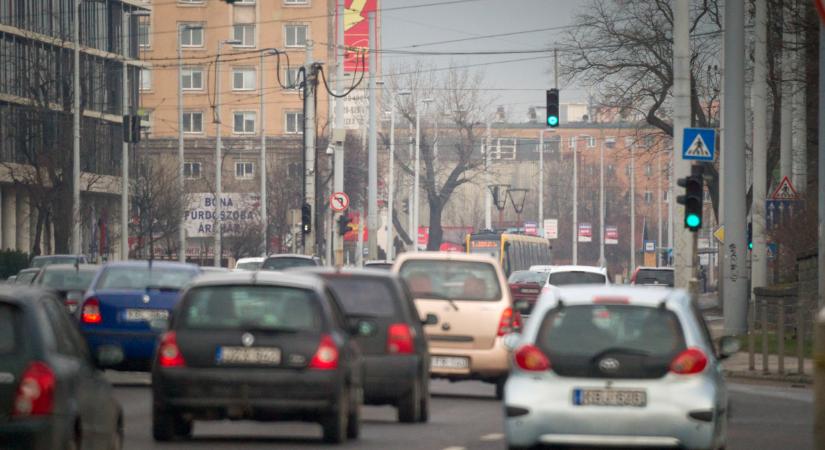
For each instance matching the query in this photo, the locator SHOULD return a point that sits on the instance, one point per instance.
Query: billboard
(237, 211)
(356, 33)
(611, 235)
(585, 232)
(551, 228)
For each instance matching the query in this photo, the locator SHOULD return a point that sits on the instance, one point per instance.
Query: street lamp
(181, 183)
(517, 197)
(417, 173)
(218, 163)
(264, 213)
(498, 192)
(391, 178)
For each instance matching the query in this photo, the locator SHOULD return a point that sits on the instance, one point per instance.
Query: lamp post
(517, 197)
(181, 184)
(498, 192)
(264, 213)
(76, 131)
(218, 163)
(391, 179)
(417, 174)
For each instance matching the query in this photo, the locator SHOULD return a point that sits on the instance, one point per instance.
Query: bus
(513, 251)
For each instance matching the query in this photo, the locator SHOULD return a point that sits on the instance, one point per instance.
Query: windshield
(451, 280)
(251, 307)
(525, 276)
(491, 248)
(651, 276)
(143, 277)
(68, 279)
(364, 296)
(574, 277)
(25, 277)
(46, 260)
(287, 263)
(249, 265)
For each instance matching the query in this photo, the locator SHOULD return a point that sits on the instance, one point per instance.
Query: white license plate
(146, 315)
(529, 291)
(248, 355)
(610, 397)
(449, 362)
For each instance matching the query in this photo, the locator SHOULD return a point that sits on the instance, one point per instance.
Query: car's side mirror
(431, 319)
(728, 346)
(510, 340)
(108, 356)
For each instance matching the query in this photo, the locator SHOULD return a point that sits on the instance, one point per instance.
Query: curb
(773, 377)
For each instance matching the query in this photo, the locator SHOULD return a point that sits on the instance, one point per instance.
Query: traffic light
(343, 224)
(750, 236)
(552, 108)
(306, 218)
(135, 124)
(693, 199)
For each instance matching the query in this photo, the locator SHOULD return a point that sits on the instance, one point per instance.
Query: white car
(616, 366)
(572, 275)
(253, 263)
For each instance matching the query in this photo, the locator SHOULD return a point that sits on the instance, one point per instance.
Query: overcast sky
(408, 27)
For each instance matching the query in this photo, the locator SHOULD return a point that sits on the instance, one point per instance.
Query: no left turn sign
(339, 201)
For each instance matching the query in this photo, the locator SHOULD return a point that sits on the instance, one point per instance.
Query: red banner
(356, 33)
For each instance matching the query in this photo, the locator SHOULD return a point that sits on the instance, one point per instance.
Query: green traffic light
(750, 245)
(552, 121)
(693, 221)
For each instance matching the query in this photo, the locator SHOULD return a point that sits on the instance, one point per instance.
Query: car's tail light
(326, 357)
(71, 305)
(510, 321)
(399, 339)
(689, 362)
(35, 393)
(91, 311)
(169, 354)
(530, 358)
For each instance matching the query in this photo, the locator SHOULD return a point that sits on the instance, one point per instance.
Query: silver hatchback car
(616, 367)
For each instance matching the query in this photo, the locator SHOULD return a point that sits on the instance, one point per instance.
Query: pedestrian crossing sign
(699, 144)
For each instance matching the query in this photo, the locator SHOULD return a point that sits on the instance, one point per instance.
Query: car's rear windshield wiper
(162, 288)
(620, 350)
(261, 328)
(436, 296)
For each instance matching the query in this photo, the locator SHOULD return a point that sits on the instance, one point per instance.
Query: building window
(648, 197)
(143, 33)
(664, 195)
(610, 142)
(191, 170)
(244, 33)
(295, 35)
(294, 122)
(191, 2)
(243, 79)
(145, 79)
(145, 115)
(572, 142)
(648, 169)
(629, 141)
(611, 169)
(244, 2)
(296, 2)
(193, 122)
(244, 122)
(191, 35)
(590, 140)
(192, 79)
(291, 77)
(244, 170)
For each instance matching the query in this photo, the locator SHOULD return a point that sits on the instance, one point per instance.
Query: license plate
(529, 291)
(449, 362)
(610, 397)
(248, 355)
(146, 315)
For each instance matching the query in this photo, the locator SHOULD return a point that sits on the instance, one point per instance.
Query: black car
(261, 346)
(289, 261)
(52, 394)
(69, 280)
(392, 340)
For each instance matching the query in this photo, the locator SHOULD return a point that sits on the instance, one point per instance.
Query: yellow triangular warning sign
(785, 191)
(698, 147)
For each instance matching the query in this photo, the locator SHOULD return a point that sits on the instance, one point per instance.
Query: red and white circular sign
(339, 201)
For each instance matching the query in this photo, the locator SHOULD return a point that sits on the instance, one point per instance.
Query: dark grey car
(52, 394)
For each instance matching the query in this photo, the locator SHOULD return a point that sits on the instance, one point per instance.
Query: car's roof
(250, 259)
(59, 256)
(644, 296)
(292, 279)
(655, 268)
(290, 255)
(83, 267)
(445, 256)
(21, 294)
(30, 269)
(353, 271)
(142, 263)
(571, 268)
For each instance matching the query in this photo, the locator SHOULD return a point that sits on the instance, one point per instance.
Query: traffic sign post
(339, 201)
(699, 144)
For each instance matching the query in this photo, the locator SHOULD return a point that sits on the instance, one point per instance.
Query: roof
(645, 296)
(290, 255)
(292, 279)
(250, 259)
(30, 269)
(144, 263)
(84, 267)
(654, 268)
(21, 293)
(445, 256)
(353, 271)
(571, 268)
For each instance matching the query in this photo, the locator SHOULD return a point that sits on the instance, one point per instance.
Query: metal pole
(264, 216)
(786, 100)
(800, 115)
(632, 208)
(372, 154)
(488, 196)
(602, 261)
(541, 180)
(416, 181)
(309, 148)
(575, 207)
(411, 197)
(659, 201)
(218, 252)
(124, 176)
(76, 132)
(821, 170)
(556, 67)
(759, 98)
(181, 183)
(735, 298)
(391, 187)
(683, 241)
(338, 170)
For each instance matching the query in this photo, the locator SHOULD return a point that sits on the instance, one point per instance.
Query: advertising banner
(237, 211)
(585, 232)
(611, 235)
(356, 33)
(551, 228)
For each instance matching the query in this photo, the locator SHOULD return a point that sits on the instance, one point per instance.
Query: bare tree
(159, 205)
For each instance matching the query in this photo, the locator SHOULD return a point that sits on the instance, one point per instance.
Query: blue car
(127, 306)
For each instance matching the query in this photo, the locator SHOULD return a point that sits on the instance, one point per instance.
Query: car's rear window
(451, 280)
(651, 276)
(251, 307)
(253, 265)
(575, 277)
(47, 260)
(362, 296)
(287, 263)
(644, 338)
(526, 276)
(68, 279)
(143, 277)
(8, 329)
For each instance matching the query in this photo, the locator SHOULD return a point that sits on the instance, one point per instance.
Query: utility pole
(541, 180)
(735, 298)
(391, 185)
(786, 99)
(683, 238)
(310, 85)
(800, 114)
(821, 172)
(372, 154)
(410, 196)
(602, 261)
(264, 216)
(124, 160)
(575, 207)
(632, 208)
(488, 196)
(338, 169)
(659, 201)
(218, 256)
(416, 177)
(181, 182)
(76, 130)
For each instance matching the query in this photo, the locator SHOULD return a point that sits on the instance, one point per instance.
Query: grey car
(616, 366)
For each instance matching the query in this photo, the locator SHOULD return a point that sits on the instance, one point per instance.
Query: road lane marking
(493, 437)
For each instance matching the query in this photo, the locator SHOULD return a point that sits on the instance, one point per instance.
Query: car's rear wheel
(167, 425)
(500, 387)
(409, 406)
(335, 423)
(424, 413)
(354, 419)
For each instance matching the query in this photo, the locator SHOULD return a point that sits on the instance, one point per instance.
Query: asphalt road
(463, 416)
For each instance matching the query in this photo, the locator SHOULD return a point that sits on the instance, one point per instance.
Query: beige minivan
(466, 305)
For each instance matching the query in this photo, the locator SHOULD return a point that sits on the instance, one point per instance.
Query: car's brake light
(399, 339)
(326, 357)
(510, 321)
(530, 358)
(169, 354)
(35, 393)
(91, 311)
(611, 300)
(690, 361)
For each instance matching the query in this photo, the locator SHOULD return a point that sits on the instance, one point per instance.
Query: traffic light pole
(310, 84)
(682, 239)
